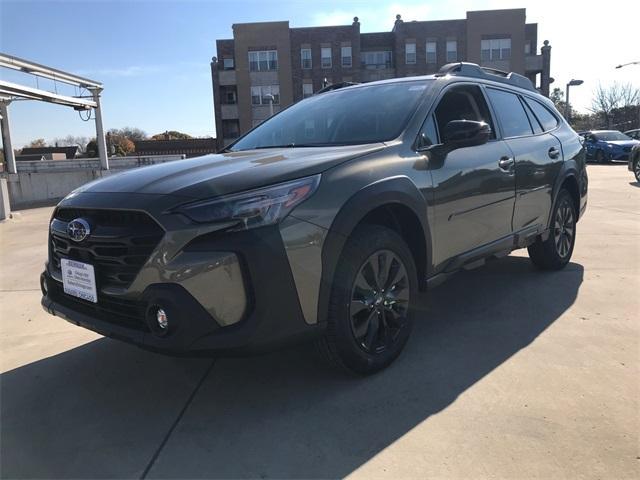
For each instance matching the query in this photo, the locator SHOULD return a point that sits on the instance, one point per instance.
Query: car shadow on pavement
(103, 409)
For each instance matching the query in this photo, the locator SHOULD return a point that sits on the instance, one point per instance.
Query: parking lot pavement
(510, 373)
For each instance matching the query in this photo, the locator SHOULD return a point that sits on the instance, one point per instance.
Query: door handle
(505, 163)
(554, 152)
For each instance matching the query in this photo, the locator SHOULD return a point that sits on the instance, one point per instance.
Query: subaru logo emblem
(78, 229)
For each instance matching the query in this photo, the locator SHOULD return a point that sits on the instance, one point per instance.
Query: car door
(537, 153)
(473, 187)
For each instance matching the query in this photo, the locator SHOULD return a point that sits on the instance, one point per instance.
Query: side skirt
(478, 256)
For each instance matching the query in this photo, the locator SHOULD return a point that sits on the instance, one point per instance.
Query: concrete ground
(511, 373)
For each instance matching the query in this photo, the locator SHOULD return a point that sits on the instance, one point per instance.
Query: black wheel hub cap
(564, 228)
(379, 301)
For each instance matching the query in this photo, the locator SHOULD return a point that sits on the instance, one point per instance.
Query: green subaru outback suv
(325, 222)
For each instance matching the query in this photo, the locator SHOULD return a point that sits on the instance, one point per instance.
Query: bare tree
(37, 143)
(608, 99)
(73, 141)
(131, 133)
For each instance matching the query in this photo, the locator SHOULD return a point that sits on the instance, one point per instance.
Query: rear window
(546, 118)
(511, 114)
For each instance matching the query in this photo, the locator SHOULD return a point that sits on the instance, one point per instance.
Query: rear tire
(370, 316)
(636, 169)
(555, 252)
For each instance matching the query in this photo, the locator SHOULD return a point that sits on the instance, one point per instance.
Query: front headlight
(255, 208)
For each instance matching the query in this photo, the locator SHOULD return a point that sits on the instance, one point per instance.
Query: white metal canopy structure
(10, 91)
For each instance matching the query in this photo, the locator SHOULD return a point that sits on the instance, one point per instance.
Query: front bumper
(273, 315)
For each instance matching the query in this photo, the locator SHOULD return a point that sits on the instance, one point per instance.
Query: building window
(305, 57)
(230, 128)
(325, 57)
(347, 60)
(374, 60)
(229, 95)
(260, 95)
(262, 61)
(307, 90)
(273, 60)
(271, 90)
(527, 48)
(228, 64)
(431, 49)
(452, 50)
(495, 49)
(255, 96)
(410, 53)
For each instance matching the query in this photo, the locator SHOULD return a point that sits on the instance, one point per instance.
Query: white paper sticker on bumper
(79, 280)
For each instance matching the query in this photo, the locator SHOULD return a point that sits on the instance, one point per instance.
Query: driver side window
(463, 102)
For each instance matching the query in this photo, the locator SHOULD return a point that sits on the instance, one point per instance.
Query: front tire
(372, 301)
(636, 169)
(555, 252)
(600, 157)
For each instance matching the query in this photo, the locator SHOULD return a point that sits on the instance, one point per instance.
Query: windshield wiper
(298, 145)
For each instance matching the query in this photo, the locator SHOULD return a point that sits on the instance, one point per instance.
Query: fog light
(161, 318)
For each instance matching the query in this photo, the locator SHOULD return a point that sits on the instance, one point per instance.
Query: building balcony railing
(229, 111)
(227, 77)
(533, 63)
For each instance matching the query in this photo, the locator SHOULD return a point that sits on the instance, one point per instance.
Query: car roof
(447, 78)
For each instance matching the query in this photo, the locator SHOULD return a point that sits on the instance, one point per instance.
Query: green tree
(92, 148)
(171, 135)
(558, 99)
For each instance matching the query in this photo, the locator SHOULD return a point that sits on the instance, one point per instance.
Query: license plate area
(79, 280)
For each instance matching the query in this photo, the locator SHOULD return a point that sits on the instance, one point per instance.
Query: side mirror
(465, 133)
(424, 143)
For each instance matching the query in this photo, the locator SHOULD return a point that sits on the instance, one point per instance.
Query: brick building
(268, 66)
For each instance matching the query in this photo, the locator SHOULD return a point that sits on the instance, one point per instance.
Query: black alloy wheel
(379, 301)
(564, 228)
(372, 304)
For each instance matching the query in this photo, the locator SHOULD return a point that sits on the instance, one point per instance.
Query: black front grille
(110, 309)
(119, 244)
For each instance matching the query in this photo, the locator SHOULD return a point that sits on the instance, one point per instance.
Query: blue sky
(153, 57)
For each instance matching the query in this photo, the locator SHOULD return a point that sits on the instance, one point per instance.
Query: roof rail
(336, 86)
(467, 69)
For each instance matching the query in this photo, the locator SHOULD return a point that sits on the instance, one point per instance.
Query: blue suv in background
(606, 145)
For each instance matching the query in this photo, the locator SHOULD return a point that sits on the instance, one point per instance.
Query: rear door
(474, 187)
(526, 125)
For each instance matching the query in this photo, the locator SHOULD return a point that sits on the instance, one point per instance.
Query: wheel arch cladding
(395, 203)
(570, 184)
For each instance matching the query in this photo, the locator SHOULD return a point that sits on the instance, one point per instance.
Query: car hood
(213, 175)
(623, 143)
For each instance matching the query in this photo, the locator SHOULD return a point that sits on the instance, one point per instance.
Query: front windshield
(366, 114)
(611, 136)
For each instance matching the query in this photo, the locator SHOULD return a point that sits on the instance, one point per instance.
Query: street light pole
(630, 63)
(567, 109)
(271, 98)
